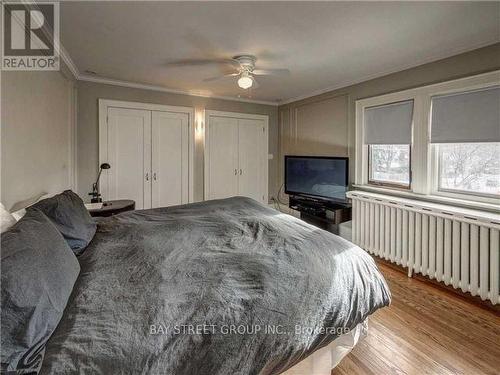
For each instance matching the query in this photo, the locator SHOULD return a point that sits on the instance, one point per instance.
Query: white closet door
(223, 158)
(129, 153)
(251, 152)
(170, 158)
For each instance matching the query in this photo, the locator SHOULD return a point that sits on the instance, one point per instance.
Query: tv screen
(325, 177)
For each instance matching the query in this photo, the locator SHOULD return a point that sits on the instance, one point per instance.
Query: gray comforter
(219, 287)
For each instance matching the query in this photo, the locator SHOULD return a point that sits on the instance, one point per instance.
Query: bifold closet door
(250, 153)
(223, 164)
(129, 153)
(170, 158)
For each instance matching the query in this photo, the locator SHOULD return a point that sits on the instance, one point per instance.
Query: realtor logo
(30, 36)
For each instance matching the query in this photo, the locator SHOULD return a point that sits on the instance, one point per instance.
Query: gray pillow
(67, 211)
(38, 271)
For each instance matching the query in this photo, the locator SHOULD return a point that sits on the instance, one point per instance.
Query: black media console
(321, 213)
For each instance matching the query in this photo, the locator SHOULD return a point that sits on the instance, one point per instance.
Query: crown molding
(144, 86)
(110, 81)
(115, 82)
(66, 58)
(437, 57)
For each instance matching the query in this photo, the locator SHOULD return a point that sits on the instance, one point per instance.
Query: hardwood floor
(426, 330)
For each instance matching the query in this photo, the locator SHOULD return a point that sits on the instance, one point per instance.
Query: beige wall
(88, 128)
(36, 134)
(324, 124)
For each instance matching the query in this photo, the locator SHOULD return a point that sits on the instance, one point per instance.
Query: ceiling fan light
(245, 82)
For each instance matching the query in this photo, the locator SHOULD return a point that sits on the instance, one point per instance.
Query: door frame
(236, 115)
(102, 141)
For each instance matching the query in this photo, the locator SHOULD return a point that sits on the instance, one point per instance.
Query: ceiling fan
(244, 66)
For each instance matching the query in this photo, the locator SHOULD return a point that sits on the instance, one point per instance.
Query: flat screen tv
(324, 177)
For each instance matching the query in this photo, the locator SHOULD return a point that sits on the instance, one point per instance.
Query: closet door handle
(147, 176)
(154, 176)
(241, 172)
(235, 172)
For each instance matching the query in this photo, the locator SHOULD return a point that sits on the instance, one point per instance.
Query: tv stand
(324, 214)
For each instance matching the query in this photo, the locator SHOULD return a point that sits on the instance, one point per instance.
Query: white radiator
(459, 247)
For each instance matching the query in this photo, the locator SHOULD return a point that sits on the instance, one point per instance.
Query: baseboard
(476, 300)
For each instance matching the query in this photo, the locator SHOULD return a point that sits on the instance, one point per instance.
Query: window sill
(491, 207)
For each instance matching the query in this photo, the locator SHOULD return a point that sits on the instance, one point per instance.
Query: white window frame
(456, 194)
(424, 156)
(392, 184)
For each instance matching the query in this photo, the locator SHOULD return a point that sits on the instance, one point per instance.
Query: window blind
(389, 123)
(472, 116)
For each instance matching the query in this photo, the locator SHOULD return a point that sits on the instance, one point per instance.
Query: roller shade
(389, 124)
(472, 116)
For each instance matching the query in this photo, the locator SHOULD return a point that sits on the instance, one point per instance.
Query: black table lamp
(96, 196)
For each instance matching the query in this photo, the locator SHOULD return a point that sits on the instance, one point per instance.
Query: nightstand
(110, 208)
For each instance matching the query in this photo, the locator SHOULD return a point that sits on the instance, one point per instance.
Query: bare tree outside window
(390, 164)
(470, 167)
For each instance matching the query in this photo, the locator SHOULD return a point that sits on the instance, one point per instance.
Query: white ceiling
(324, 44)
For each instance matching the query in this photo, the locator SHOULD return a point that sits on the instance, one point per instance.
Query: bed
(218, 287)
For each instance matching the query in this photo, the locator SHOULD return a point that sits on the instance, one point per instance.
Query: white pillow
(6, 219)
(19, 209)
(17, 215)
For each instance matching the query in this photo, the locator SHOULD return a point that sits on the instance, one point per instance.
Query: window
(470, 168)
(440, 141)
(465, 129)
(389, 165)
(388, 129)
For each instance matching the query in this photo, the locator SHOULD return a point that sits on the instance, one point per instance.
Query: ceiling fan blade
(220, 77)
(198, 62)
(269, 72)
